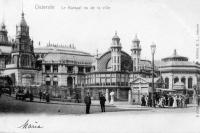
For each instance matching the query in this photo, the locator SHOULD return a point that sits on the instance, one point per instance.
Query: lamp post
(196, 98)
(153, 49)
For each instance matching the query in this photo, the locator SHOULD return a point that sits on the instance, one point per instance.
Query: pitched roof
(60, 57)
(64, 50)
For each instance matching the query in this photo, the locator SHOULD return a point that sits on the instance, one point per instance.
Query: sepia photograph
(99, 66)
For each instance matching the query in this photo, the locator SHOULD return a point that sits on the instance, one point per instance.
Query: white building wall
(180, 75)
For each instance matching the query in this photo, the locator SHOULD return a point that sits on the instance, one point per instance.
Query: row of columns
(171, 81)
(64, 69)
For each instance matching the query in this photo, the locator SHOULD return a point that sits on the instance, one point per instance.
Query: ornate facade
(20, 61)
(178, 72)
(66, 71)
(64, 68)
(115, 69)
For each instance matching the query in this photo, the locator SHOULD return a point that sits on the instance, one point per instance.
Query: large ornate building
(19, 56)
(65, 71)
(115, 69)
(179, 73)
(63, 68)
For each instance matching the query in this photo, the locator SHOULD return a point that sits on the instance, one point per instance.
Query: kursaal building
(67, 72)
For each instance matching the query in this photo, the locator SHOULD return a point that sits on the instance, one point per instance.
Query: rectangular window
(70, 69)
(118, 59)
(80, 69)
(88, 69)
(55, 68)
(47, 68)
(48, 82)
(55, 83)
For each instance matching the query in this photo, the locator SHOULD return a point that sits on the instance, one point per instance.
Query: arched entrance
(69, 81)
(70, 84)
(167, 83)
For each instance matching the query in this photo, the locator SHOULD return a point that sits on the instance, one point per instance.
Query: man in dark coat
(102, 102)
(87, 101)
(47, 97)
(143, 101)
(0, 92)
(40, 94)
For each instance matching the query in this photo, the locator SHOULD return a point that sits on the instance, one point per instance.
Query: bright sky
(170, 24)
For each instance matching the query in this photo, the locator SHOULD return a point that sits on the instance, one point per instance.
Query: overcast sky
(171, 24)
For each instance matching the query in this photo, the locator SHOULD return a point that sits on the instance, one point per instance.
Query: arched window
(55, 81)
(176, 80)
(48, 80)
(183, 80)
(166, 83)
(190, 82)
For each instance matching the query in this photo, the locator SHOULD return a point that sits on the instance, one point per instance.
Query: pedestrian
(174, 102)
(76, 98)
(47, 97)
(183, 101)
(31, 96)
(149, 101)
(171, 101)
(146, 100)
(44, 95)
(87, 101)
(0, 92)
(40, 94)
(186, 100)
(102, 102)
(143, 101)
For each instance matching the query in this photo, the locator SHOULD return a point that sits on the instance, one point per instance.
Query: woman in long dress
(174, 102)
(112, 97)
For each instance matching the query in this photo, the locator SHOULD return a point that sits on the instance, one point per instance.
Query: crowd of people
(167, 100)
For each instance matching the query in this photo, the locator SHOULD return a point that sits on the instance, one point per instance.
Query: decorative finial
(175, 53)
(115, 32)
(136, 35)
(97, 53)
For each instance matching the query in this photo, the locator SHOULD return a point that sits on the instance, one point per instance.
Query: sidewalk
(118, 104)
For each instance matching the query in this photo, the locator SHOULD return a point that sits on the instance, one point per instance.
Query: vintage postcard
(93, 66)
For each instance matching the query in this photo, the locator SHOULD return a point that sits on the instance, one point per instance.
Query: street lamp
(196, 97)
(153, 49)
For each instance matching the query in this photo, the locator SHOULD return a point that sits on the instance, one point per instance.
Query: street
(119, 118)
(11, 105)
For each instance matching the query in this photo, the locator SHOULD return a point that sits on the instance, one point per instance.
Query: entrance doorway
(70, 84)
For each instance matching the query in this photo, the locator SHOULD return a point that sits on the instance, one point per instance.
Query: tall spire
(136, 38)
(3, 32)
(22, 6)
(22, 9)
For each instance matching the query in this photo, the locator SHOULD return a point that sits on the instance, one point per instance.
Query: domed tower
(3, 33)
(22, 29)
(116, 53)
(136, 52)
(22, 50)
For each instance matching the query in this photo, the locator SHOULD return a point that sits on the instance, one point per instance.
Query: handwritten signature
(28, 125)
